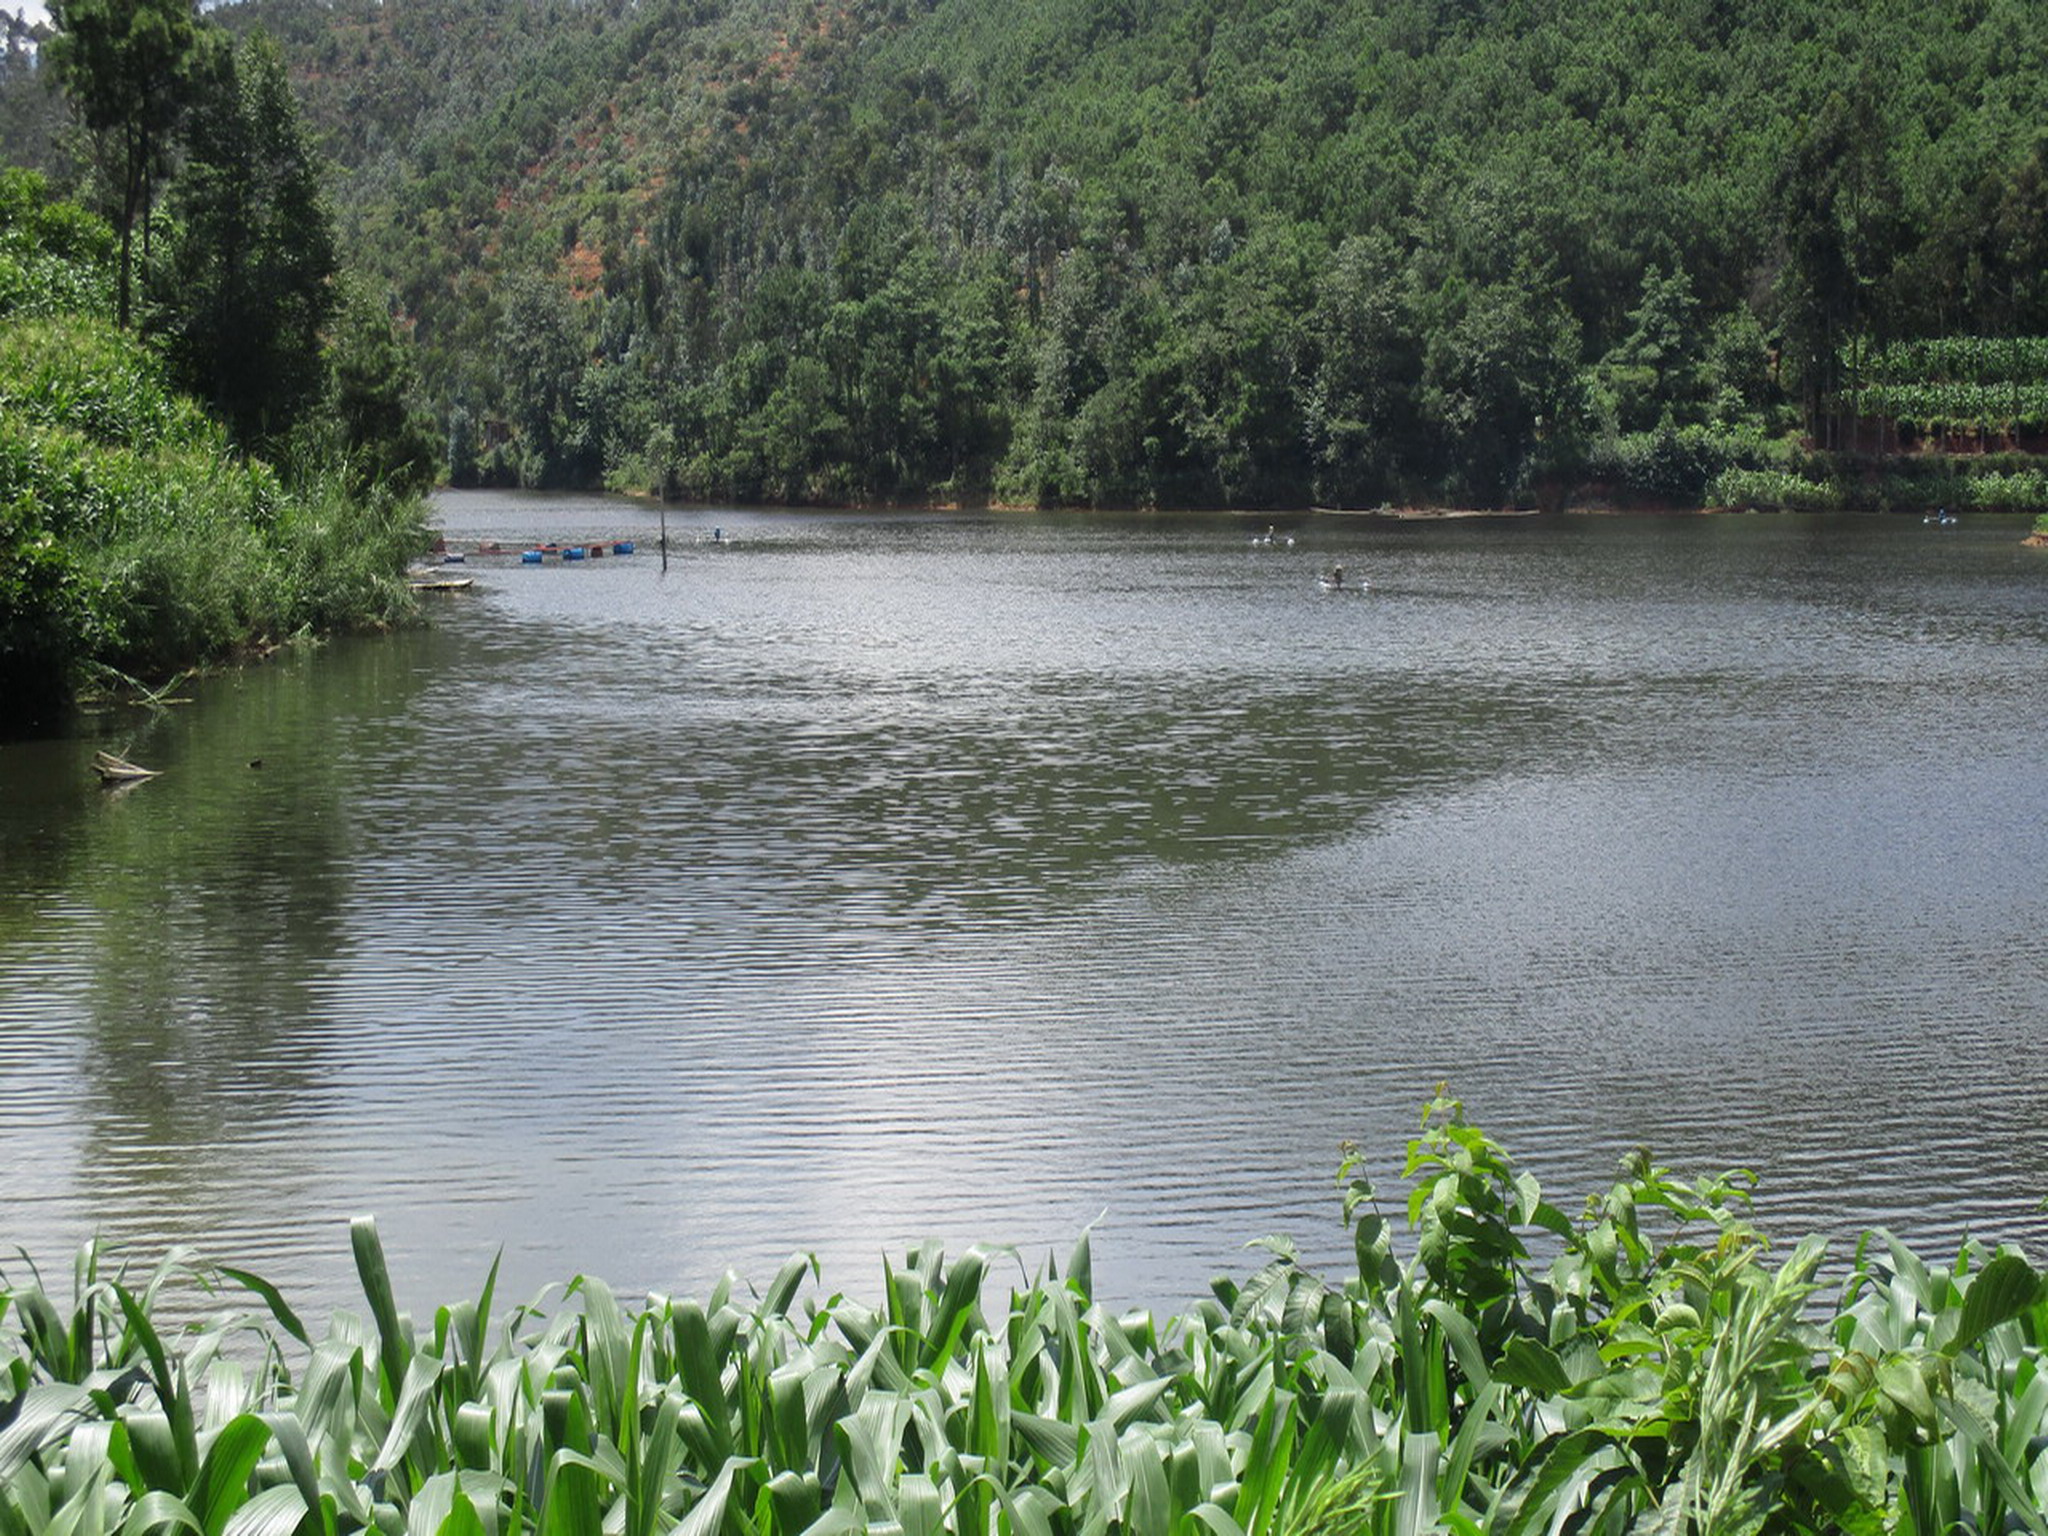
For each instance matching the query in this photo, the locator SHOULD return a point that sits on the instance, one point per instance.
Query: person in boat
(1335, 578)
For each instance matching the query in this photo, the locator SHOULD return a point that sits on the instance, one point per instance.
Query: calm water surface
(864, 879)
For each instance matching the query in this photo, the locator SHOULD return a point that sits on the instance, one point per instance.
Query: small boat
(118, 770)
(443, 583)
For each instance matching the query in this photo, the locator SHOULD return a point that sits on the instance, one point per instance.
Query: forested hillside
(1188, 252)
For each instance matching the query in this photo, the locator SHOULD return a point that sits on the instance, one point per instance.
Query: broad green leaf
(1415, 1508)
(570, 1505)
(275, 1511)
(84, 1513)
(1055, 1442)
(783, 1288)
(1901, 1381)
(1999, 1292)
(444, 1497)
(461, 1519)
(797, 1502)
(707, 1515)
(918, 1507)
(1148, 1507)
(1136, 1401)
(223, 1484)
(1463, 1339)
(1532, 1366)
(410, 1412)
(272, 1298)
(161, 1512)
(2020, 1502)
(45, 1415)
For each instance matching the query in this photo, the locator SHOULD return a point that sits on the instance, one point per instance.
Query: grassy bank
(1660, 1367)
(134, 538)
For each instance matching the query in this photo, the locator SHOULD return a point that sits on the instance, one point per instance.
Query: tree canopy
(1175, 251)
(123, 65)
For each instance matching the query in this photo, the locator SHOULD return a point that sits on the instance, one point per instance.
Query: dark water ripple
(864, 880)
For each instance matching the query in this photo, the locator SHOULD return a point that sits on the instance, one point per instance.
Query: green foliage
(1673, 466)
(1784, 490)
(1195, 251)
(1654, 1365)
(130, 537)
(122, 64)
(55, 258)
(1190, 251)
(381, 436)
(248, 290)
(1959, 385)
(133, 536)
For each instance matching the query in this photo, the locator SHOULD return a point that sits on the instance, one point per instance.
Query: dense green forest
(1200, 252)
(1196, 251)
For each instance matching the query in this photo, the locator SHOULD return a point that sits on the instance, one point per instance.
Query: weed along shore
(1662, 1363)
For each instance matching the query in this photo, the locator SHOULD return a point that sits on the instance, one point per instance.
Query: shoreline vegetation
(140, 536)
(209, 442)
(1652, 1364)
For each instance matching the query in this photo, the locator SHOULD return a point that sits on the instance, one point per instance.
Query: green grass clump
(1663, 1369)
(1775, 488)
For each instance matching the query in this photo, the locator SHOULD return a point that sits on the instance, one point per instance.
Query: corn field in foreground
(1652, 1365)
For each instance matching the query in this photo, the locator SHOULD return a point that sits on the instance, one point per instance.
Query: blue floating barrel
(453, 557)
(622, 547)
(529, 557)
(573, 552)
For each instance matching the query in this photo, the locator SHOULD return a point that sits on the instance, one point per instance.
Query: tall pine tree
(249, 288)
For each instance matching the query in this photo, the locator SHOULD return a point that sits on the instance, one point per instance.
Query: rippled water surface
(862, 879)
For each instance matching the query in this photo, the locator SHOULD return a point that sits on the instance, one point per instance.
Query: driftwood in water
(118, 770)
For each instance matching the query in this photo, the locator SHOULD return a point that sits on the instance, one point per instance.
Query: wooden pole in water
(664, 538)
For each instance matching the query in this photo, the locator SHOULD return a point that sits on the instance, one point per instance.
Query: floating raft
(535, 554)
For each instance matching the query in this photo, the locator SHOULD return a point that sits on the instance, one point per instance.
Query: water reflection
(170, 940)
(868, 879)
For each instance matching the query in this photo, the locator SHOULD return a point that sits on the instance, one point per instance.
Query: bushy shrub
(1676, 464)
(1776, 488)
(55, 258)
(2019, 491)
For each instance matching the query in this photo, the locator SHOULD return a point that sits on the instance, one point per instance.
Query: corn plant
(1489, 1364)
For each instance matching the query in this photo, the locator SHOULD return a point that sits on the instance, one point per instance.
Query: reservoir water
(863, 879)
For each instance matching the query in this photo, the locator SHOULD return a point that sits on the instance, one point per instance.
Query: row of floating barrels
(573, 551)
